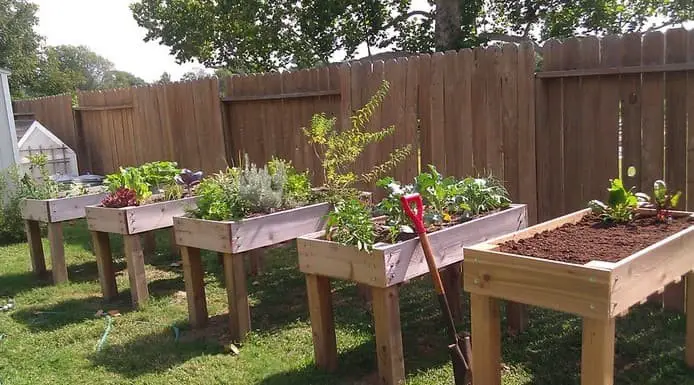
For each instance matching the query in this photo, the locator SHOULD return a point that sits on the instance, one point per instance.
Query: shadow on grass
(153, 353)
(13, 284)
(74, 311)
(649, 348)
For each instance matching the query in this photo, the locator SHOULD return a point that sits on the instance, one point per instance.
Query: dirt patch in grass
(592, 240)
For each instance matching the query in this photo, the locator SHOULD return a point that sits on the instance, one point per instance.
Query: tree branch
(510, 39)
(667, 24)
(406, 16)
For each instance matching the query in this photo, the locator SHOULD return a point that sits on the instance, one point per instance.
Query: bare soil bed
(592, 240)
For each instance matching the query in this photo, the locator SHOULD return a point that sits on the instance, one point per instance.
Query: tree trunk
(447, 28)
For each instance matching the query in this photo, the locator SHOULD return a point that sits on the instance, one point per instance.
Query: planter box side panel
(554, 285)
(406, 260)
(156, 215)
(35, 210)
(203, 234)
(266, 230)
(66, 209)
(106, 220)
(329, 259)
(552, 224)
(639, 275)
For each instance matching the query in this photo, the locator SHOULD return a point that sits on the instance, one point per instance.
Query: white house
(9, 153)
(34, 138)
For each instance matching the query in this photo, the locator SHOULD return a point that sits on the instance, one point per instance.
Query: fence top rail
(673, 67)
(293, 95)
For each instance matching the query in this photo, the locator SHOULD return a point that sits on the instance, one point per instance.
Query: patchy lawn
(51, 336)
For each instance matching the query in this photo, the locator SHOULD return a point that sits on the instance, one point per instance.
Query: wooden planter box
(387, 266)
(53, 212)
(130, 222)
(233, 239)
(598, 291)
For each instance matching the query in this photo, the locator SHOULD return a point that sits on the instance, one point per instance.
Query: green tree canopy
(259, 35)
(19, 43)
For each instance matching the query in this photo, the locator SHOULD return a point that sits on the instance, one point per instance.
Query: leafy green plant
(123, 197)
(44, 187)
(159, 173)
(218, 197)
(350, 224)
(339, 150)
(131, 178)
(187, 180)
(663, 200)
(260, 190)
(621, 204)
(297, 186)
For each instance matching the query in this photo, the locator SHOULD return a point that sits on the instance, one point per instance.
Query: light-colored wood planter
(52, 212)
(597, 291)
(387, 266)
(234, 239)
(131, 223)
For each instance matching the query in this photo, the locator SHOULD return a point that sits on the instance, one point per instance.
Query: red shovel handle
(415, 217)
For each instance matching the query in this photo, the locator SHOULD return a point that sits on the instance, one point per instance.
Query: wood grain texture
(135, 260)
(66, 209)
(104, 264)
(320, 306)
(689, 336)
(193, 275)
(597, 352)
(389, 353)
(237, 296)
(58, 264)
(35, 210)
(38, 260)
(485, 322)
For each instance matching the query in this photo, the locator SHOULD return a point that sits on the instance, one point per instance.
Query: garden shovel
(461, 367)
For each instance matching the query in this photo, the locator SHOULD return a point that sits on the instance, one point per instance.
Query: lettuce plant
(122, 197)
(621, 204)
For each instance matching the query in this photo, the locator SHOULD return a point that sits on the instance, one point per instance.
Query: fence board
(495, 156)
(410, 129)
(452, 118)
(690, 123)
(630, 89)
(676, 113)
(527, 166)
(479, 113)
(652, 124)
(508, 68)
(463, 107)
(605, 164)
(436, 136)
(551, 156)
(572, 128)
(590, 106)
(424, 108)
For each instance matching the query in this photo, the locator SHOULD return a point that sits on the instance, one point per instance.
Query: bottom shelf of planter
(598, 291)
(382, 272)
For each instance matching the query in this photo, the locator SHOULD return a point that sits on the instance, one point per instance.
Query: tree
(199, 73)
(165, 78)
(19, 43)
(258, 35)
(120, 79)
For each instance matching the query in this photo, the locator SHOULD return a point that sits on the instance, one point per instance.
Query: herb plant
(339, 150)
(621, 204)
(350, 224)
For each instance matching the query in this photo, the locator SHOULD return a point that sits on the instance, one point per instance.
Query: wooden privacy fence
(592, 89)
(553, 136)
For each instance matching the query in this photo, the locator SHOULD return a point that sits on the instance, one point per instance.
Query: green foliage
(44, 187)
(238, 192)
(350, 224)
(621, 204)
(663, 200)
(143, 179)
(174, 191)
(443, 198)
(338, 151)
(19, 44)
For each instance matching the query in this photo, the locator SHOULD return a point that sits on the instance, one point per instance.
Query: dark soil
(592, 240)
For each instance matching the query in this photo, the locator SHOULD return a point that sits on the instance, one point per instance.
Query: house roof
(4, 71)
(21, 126)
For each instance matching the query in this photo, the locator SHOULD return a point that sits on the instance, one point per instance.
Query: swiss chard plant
(663, 200)
(149, 178)
(621, 204)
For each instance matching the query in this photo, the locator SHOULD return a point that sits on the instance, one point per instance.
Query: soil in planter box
(592, 240)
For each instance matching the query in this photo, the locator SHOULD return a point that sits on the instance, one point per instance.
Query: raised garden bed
(383, 270)
(234, 239)
(53, 212)
(579, 265)
(130, 222)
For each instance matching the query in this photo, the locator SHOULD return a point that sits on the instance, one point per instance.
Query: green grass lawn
(51, 336)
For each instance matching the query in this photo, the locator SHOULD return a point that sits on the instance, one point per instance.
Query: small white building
(34, 138)
(9, 154)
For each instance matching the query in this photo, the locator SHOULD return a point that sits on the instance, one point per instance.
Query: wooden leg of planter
(256, 261)
(237, 294)
(135, 259)
(673, 297)
(516, 317)
(104, 264)
(597, 355)
(58, 265)
(38, 261)
(195, 286)
(320, 307)
(689, 342)
(452, 281)
(149, 244)
(486, 340)
(174, 249)
(386, 314)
